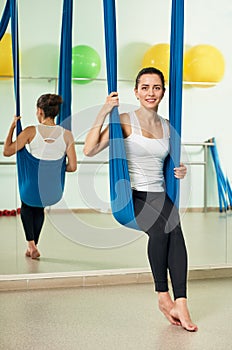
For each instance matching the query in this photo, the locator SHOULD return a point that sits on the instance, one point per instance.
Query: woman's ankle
(31, 245)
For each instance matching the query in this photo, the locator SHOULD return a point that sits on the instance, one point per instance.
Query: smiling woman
(146, 137)
(72, 246)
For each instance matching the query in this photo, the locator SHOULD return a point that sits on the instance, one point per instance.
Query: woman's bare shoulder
(124, 118)
(29, 131)
(126, 125)
(29, 128)
(27, 134)
(68, 136)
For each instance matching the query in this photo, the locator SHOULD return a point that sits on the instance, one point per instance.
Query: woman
(146, 137)
(46, 141)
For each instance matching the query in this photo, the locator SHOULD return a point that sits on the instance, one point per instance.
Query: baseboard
(199, 209)
(83, 279)
(79, 211)
(99, 211)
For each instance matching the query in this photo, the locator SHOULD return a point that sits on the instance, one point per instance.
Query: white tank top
(146, 157)
(48, 143)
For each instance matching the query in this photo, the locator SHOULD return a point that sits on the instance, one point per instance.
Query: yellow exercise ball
(6, 65)
(203, 63)
(158, 56)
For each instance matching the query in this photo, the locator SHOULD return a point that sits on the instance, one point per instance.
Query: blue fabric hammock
(41, 182)
(223, 184)
(120, 187)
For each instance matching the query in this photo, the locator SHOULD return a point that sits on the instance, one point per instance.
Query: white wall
(206, 111)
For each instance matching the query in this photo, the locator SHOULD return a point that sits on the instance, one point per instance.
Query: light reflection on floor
(208, 239)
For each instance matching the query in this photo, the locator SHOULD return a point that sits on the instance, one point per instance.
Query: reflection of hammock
(41, 182)
(223, 184)
(120, 188)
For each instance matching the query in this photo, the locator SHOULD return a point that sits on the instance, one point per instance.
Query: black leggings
(32, 219)
(159, 218)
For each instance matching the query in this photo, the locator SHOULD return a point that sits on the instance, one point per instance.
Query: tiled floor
(113, 318)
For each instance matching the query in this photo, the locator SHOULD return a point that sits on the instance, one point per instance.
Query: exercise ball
(6, 65)
(86, 63)
(203, 63)
(158, 56)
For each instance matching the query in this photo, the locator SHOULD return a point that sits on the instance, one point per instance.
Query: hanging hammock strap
(35, 186)
(65, 66)
(223, 184)
(175, 98)
(5, 19)
(120, 187)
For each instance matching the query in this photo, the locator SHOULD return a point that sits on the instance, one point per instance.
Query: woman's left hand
(180, 172)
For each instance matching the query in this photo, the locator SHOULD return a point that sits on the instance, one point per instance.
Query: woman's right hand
(112, 101)
(98, 139)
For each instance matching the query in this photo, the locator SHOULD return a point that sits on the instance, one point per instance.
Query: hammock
(223, 184)
(41, 182)
(120, 187)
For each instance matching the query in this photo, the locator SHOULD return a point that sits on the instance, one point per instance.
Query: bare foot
(180, 312)
(166, 305)
(35, 254)
(32, 250)
(28, 253)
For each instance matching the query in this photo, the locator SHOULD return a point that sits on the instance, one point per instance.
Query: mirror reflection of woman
(46, 141)
(146, 137)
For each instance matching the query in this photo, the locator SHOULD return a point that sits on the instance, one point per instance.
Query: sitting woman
(146, 137)
(46, 141)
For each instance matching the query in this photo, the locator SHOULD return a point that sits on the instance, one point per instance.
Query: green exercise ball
(86, 63)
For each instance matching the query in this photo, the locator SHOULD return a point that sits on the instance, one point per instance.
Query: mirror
(79, 233)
